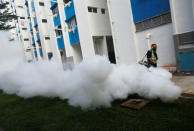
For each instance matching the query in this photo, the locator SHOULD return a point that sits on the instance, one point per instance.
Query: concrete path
(185, 82)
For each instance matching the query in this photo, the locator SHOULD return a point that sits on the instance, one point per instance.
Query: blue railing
(33, 41)
(35, 53)
(35, 22)
(38, 36)
(57, 21)
(32, 6)
(40, 50)
(60, 42)
(74, 36)
(28, 12)
(69, 11)
(30, 27)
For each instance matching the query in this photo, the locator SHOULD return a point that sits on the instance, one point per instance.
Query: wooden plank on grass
(135, 103)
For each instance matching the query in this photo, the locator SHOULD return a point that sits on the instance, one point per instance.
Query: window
(92, 9)
(39, 43)
(20, 6)
(24, 28)
(22, 17)
(50, 55)
(89, 9)
(44, 20)
(58, 32)
(103, 11)
(153, 22)
(95, 10)
(41, 3)
(26, 39)
(47, 38)
(28, 50)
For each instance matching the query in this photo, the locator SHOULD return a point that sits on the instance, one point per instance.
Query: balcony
(69, 10)
(60, 42)
(57, 21)
(74, 36)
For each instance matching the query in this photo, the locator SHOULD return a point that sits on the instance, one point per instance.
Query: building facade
(122, 30)
(22, 31)
(136, 24)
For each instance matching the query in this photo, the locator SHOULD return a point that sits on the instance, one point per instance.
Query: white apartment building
(122, 30)
(83, 27)
(22, 29)
(43, 38)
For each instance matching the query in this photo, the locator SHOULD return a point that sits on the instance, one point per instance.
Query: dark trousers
(150, 64)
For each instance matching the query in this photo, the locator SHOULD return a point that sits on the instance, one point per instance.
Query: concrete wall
(85, 34)
(182, 16)
(99, 23)
(123, 31)
(43, 28)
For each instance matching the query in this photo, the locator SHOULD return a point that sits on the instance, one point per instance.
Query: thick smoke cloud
(91, 84)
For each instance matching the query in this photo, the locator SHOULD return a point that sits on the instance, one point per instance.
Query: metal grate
(153, 22)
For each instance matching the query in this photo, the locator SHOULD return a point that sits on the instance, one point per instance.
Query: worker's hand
(150, 59)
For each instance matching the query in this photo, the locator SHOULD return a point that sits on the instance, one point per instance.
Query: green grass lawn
(44, 114)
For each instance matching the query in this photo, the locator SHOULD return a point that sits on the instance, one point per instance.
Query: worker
(152, 56)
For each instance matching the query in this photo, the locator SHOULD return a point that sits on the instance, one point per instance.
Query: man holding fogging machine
(152, 57)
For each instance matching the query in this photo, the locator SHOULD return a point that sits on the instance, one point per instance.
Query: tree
(6, 16)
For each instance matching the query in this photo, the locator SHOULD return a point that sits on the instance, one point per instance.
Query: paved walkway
(185, 82)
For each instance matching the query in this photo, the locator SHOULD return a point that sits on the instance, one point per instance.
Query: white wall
(85, 35)
(51, 32)
(99, 23)
(122, 31)
(77, 53)
(182, 16)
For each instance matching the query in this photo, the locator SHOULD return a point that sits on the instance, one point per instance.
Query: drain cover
(135, 103)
